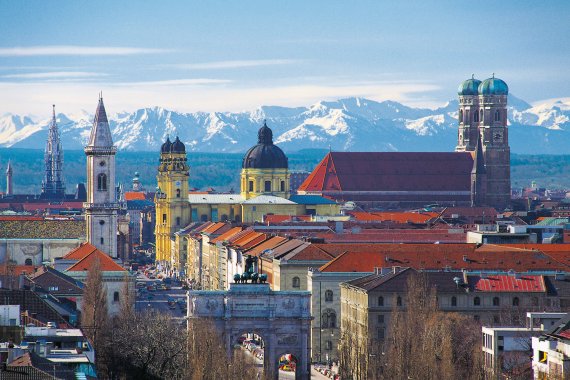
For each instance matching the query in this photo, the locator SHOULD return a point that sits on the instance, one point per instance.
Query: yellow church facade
(264, 190)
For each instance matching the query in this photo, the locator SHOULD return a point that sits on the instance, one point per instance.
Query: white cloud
(177, 82)
(30, 51)
(190, 95)
(233, 64)
(55, 74)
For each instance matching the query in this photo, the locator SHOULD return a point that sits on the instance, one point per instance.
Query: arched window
(399, 301)
(480, 115)
(328, 319)
(329, 296)
(296, 282)
(516, 301)
(461, 116)
(497, 115)
(477, 301)
(328, 345)
(267, 186)
(475, 116)
(102, 182)
(453, 301)
(282, 185)
(496, 301)
(380, 301)
(177, 193)
(116, 297)
(250, 186)
(28, 262)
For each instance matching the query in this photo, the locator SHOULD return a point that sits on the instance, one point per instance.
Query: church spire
(53, 185)
(101, 132)
(9, 186)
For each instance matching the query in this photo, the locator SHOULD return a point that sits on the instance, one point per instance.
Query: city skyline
(232, 57)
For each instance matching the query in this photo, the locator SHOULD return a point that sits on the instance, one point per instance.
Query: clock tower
(101, 207)
(171, 199)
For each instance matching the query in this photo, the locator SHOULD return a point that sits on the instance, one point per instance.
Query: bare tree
(94, 316)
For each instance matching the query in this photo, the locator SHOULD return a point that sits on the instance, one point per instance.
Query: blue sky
(237, 55)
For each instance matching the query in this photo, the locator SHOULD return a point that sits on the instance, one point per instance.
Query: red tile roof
(80, 252)
(134, 195)
(401, 217)
(226, 235)
(506, 283)
(20, 217)
(397, 236)
(445, 256)
(213, 227)
(270, 243)
(106, 263)
(275, 219)
(391, 171)
(17, 270)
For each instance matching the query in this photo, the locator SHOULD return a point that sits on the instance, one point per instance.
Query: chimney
(396, 269)
(339, 227)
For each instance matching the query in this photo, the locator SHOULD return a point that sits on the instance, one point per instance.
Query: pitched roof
(506, 283)
(226, 235)
(80, 252)
(100, 132)
(106, 263)
(50, 279)
(268, 244)
(134, 195)
(311, 200)
(391, 171)
(396, 216)
(42, 229)
(444, 256)
(268, 199)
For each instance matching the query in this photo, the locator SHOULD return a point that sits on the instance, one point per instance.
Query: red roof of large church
(391, 171)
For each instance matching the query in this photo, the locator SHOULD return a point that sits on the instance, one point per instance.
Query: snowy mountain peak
(344, 124)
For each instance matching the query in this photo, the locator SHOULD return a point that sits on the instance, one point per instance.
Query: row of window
(266, 186)
(478, 116)
(476, 301)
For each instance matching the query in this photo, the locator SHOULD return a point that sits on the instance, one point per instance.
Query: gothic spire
(100, 133)
(53, 186)
(9, 168)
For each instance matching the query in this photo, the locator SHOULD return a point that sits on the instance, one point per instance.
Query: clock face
(177, 183)
(498, 137)
(101, 163)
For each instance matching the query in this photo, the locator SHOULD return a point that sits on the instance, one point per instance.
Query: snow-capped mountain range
(354, 124)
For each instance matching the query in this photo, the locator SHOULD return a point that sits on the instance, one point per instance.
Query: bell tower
(101, 207)
(171, 198)
(493, 93)
(469, 115)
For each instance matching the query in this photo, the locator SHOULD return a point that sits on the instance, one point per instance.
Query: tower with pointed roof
(9, 185)
(101, 208)
(171, 199)
(53, 186)
(265, 168)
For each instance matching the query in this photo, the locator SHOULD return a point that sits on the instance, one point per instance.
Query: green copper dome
(469, 87)
(493, 86)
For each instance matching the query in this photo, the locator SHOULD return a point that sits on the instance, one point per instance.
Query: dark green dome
(265, 155)
(493, 86)
(469, 87)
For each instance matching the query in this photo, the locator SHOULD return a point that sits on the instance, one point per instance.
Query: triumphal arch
(281, 318)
